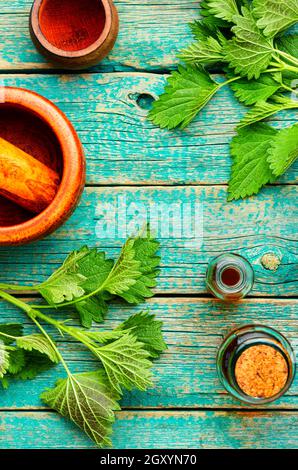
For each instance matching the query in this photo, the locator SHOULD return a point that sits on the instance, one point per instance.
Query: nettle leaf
(207, 52)
(263, 110)
(65, 284)
(4, 382)
(16, 361)
(38, 343)
(250, 170)
(288, 44)
(125, 271)
(95, 268)
(65, 288)
(250, 52)
(132, 277)
(35, 364)
(4, 359)
(224, 9)
(92, 309)
(126, 363)
(212, 22)
(200, 31)
(147, 330)
(87, 401)
(275, 15)
(250, 92)
(284, 150)
(187, 92)
(145, 249)
(103, 337)
(11, 329)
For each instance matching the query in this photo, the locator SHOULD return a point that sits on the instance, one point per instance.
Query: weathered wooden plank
(150, 35)
(158, 429)
(185, 375)
(123, 147)
(106, 216)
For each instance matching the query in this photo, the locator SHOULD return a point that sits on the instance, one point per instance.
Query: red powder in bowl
(72, 25)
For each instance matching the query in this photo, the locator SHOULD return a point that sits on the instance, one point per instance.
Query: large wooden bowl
(74, 34)
(39, 128)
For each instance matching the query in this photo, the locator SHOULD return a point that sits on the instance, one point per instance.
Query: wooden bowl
(74, 33)
(39, 128)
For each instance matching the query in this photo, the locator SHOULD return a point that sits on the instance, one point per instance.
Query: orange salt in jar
(261, 371)
(256, 364)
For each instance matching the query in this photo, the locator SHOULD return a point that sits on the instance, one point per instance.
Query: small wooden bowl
(39, 128)
(74, 33)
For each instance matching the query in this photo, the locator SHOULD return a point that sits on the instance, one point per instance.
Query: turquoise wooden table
(126, 155)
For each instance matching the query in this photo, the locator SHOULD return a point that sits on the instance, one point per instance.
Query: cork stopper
(261, 371)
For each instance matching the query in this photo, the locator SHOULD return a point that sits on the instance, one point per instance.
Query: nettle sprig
(87, 282)
(245, 40)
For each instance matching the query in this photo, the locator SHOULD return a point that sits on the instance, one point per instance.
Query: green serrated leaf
(223, 9)
(16, 361)
(275, 15)
(250, 92)
(38, 343)
(4, 382)
(147, 330)
(263, 110)
(88, 401)
(249, 53)
(209, 20)
(250, 170)
(145, 249)
(92, 309)
(126, 363)
(284, 150)
(4, 359)
(95, 268)
(65, 284)
(289, 44)
(206, 52)
(199, 30)
(187, 92)
(103, 337)
(125, 271)
(35, 364)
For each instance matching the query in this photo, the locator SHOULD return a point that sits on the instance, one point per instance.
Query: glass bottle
(241, 340)
(229, 277)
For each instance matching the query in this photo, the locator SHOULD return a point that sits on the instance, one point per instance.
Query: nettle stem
(289, 57)
(7, 336)
(43, 331)
(291, 90)
(227, 82)
(74, 332)
(33, 314)
(12, 287)
(290, 68)
(280, 66)
(17, 302)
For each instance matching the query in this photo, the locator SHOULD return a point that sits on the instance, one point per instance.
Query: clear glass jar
(239, 341)
(229, 277)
